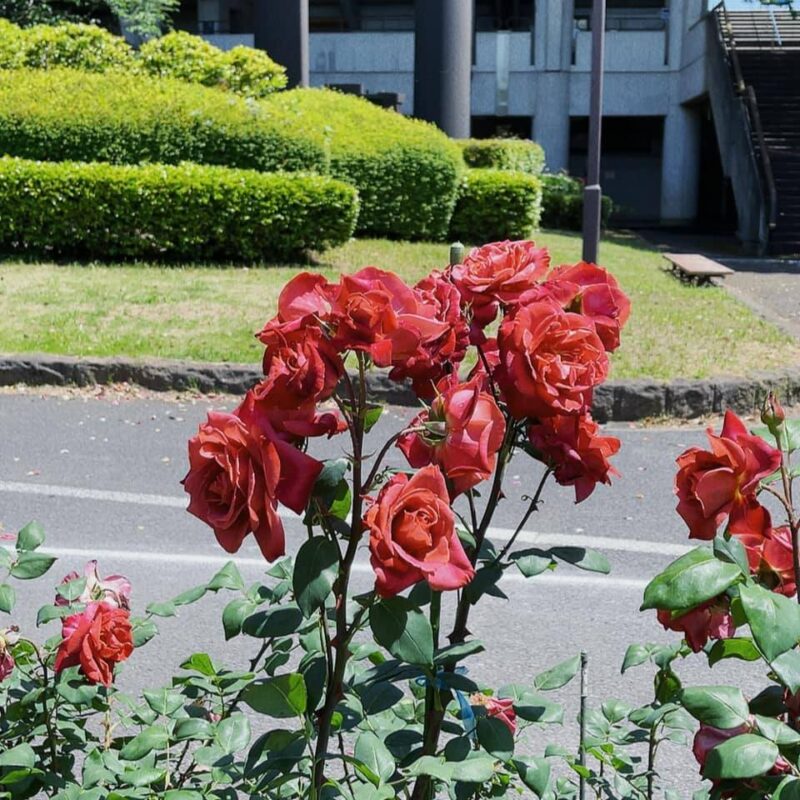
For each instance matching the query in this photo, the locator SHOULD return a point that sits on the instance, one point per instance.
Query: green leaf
(372, 416)
(719, 706)
(200, 662)
(774, 620)
(189, 596)
(315, 569)
(534, 773)
(635, 655)
(787, 668)
(182, 794)
(690, 580)
(495, 737)
(737, 647)
(789, 435)
(163, 701)
(31, 565)
(51, 612)
(228, 577)
(234, 615)
(433, 766)
(20, 756)
(193, 728)
(233, 733)
(30, 537)
(282, 697)
(456, 652)
(536, 708)
(166, 609)
(8, 597)
(143, 631)
(475, 768)
(153, 738)
(582, 558)
(789, 789)
(403, 630)
(730, 548)
(71, 590)
(559, 675)
(484, 582)
(530, 563)
(276, 622)
(5, 558)
(777, 731)
(331, 491)
(373, 753)
(745, 756)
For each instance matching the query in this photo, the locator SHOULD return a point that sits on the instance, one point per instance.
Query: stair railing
(748, 96)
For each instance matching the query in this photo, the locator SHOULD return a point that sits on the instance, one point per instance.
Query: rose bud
(772, 413)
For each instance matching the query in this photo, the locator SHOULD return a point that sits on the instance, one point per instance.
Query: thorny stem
(651, 762)
(787, 501)
(382, 454)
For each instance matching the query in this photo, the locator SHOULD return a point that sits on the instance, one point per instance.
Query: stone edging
(619, 401)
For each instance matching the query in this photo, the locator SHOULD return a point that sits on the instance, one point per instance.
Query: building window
(502, 127)
(361, 15)
(626, 15)
(504, 15)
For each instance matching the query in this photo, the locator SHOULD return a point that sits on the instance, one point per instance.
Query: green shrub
(66, 115)
(406, 171)
(156, 211)
(496, 204)
(562, 203)
(520, 155)
(76, 45)
(12, 49)
(252, 72)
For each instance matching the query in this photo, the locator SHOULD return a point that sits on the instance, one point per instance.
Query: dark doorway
(716, 208)
(503, 127)
(631, 164)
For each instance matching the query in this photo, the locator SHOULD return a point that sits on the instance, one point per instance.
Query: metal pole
(281, 28)
(584, 694)
(593, 194)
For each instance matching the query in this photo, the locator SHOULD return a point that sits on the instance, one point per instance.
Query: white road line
(502, 534)
(186, 559)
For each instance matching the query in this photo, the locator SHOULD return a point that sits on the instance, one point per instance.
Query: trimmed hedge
(176, 212)
(73, 44)
(68, 115)
(407, 172)
(496, 204)
(519, 155)
(562, 203)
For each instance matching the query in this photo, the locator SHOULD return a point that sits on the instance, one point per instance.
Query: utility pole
(593, 193)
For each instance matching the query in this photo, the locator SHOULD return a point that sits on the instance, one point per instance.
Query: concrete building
(530, 78)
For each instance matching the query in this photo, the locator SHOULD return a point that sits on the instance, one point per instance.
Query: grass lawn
(210, 313)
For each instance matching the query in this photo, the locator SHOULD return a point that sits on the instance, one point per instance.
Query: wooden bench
(691, 267)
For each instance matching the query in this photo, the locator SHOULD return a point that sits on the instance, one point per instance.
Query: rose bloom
(596, 294)
(576, 452)
(707, 738)
(96, 639)
(441, 355)
(550, 360)
(771, 560)
(497, 274)
(115, 590)
(238, 471)
(721, 483)
(502, 709)
(711, 620)
(8, 637)
(375, 312)
(303, 302)
(412, 535)
(463, 430)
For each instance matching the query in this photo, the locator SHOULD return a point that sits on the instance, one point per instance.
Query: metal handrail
(748, 95)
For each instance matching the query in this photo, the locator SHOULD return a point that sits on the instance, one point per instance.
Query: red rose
(575, 450)
(712, 485)
(771, 560)
(464, 429)
(412, 535)
(96, 639)
(707, 738)
(440, 355)
(497, 274)
(550, 361)
(711, 620)
(500, 708)
(596, 294)
(303, 302)
(238, 471)
(302, 369)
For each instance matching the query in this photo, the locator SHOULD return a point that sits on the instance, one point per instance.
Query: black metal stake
(582, 751)
(592, 193)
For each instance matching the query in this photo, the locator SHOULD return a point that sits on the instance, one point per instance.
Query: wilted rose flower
(707, 738)
(412, 535)
(497, 274)
(461, 432)
(596, 294)
(96, 640)
(115, 590)
(8, 638)
(441, 355)
(238, 472)
(722, 483)
(550, 361)
(500, 708)
(711, 620)
(576, 451)
(771, 560)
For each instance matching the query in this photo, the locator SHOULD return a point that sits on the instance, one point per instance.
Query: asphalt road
(103, 477)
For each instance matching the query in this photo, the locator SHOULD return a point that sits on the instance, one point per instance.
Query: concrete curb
(620, 401)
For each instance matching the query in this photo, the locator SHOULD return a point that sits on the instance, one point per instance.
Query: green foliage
(244, 70)
(77, 45)
(516, 155)
(495, 204)
(144, 17)
(406, 171)
(158, 211)
(67, 115)
(36, 12)
(562, 203)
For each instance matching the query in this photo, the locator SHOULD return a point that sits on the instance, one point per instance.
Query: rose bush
(364, 695)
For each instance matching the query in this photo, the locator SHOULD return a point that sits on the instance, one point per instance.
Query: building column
(680, 164)
(551, 119)
(443, 64)
(281, 28)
